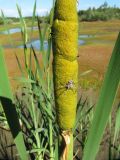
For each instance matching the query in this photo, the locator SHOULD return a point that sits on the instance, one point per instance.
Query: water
(16, 30)
(85, 36)
(34, 28)
(36, 44)
(81, 42)
(11, 31)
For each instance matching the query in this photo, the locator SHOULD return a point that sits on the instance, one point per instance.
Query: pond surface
(85, 36)
(36, 44)
(11, 31)
(34, 28)
(17, 30)
(81, 42)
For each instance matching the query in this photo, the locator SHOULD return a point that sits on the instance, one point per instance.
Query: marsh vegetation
(28, 56)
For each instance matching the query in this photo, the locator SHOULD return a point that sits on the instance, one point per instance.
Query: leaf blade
(6, 98)
(104, 105)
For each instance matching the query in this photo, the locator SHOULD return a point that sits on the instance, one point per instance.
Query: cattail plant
(65, 69)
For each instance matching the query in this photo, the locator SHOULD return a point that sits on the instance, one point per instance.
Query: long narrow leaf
(19, 65)
(40, 35)
(117, 124)
(33, 19)
(104, 105)
(6, 99)
(23, 25)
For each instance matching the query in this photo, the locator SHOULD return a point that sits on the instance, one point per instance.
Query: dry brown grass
(90, 57)
(94, 57)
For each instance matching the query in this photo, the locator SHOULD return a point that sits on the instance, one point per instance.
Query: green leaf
(40, 72)
(6, 98)
(57, 150)
(34, 11)
(33, 18)
(23, 80)
(40, 35)
(19, 65)
(104, 105)
(117, 125)
(23, 25)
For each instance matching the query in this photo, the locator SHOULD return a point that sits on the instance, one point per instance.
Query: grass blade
(23, 25)
(5, 21)
(117, 125)
(40, 35)
(40, 72)
(6, 99)
(33, 19)
(104, 105)
(19, 65)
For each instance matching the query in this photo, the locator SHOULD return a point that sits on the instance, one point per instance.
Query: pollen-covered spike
(65, 65)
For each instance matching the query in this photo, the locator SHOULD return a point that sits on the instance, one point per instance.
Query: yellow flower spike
(65, 65)
(66, 10)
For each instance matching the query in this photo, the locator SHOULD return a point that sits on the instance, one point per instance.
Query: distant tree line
(11, 20)
(102, 13)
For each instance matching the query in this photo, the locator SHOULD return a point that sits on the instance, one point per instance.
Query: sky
(43, 6)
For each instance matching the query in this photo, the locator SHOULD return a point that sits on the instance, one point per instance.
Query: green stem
(36, 126)
(51, 140)
(50, 121)
(66, 145)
